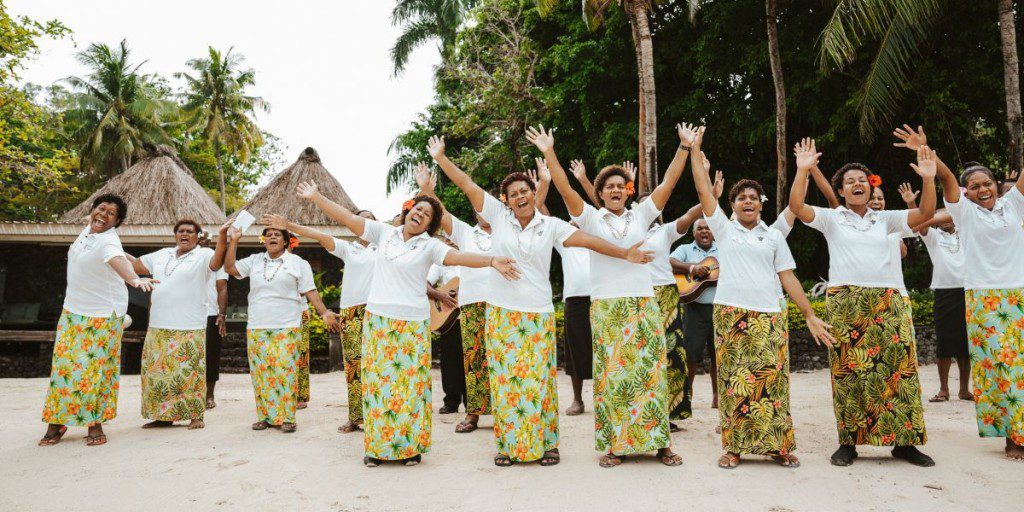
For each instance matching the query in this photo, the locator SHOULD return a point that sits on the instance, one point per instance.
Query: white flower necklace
(950, 241)
(389, 246)
(266, 263)
(618, 232)
(482, 239)
(168, 269)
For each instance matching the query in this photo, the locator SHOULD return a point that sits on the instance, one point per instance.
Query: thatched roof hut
(159, 190)
(279, 197)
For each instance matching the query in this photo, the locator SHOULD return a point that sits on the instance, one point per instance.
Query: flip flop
(671, 460)
(52, 439)
(348, 427)
(288, 428)
(550, 458)
(609, 460)
(787, 461)
(96, 440)
(728, 461)
(502, 461)
(465, 427)
(260, 425)
(939, 397)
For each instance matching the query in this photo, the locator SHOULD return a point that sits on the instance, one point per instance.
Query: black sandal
(912, 455)
(412, 461)
(844, 456)
(503, 461)
(550, 458)
(371, 462)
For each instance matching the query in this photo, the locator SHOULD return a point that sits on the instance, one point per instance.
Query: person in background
(698, 329)
(449, 342)
(216, 324)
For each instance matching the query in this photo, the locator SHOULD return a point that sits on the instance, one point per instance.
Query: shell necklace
(168, 269)
(619, 232)
(389, 247)
(482, 239)
(266, 263)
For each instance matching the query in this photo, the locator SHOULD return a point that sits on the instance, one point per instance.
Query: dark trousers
(453, 374)
(213, 342)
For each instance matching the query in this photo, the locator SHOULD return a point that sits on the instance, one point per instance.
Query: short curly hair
(514, 177)
(187, 222)
(284, 234)
(742, 185)
(840, 175)
(435, 218)
(604, 175)
(114, 199)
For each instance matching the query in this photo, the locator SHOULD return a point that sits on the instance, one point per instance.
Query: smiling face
(103, 217)
(855, 188)
(274, 241)
(877, 201)
(186, 237)
(747, 206)
(982, 190)
(702, 234)
(613, 193)
(418, 219)
(520, 198)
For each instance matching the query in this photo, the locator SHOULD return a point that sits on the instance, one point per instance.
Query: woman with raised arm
(396, 341)
(359, 257)
(875, 386)
(174, 353)
(990, 229)
(86, 352)
(751, 335)
(630, 400)
(278, 281)
(520, 318)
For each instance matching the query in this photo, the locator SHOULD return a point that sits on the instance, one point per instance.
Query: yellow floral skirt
(273, 355)
(174, 374)
(84, 371)
(995, 329)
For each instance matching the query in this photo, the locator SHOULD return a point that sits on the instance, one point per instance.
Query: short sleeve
(646, 211)
(460, 232)
(896, 221)
(587, 218)
(783, 256)
(781, 225)
(680, 253)
(306, 282)
(560, 230)
(718, 223)
(244, 266)
(150, 260)
(222, 275)
(373, 231)
(438, 251)
(111, 249)
(493, 209)
(342, 250)
(1015, 198)
(434, 275)
(824, 219)
(671, 233)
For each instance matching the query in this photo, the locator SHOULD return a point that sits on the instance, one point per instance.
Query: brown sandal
(54, 438)
(670, 459)
(466, 427)
(609, 460)
(939, 397)
(787, 461)
(96, 440)
(288, 428)
(348, 427)
(260, 425)
(728, 461)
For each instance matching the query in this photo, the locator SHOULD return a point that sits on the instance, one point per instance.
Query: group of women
(630, 339)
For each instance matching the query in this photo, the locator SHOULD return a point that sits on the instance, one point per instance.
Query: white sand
(227, 466)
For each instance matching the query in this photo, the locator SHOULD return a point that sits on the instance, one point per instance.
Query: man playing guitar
(698, 331)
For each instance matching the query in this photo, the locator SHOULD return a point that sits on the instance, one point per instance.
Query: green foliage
(18, 36)
(423, 21)
(319, 335)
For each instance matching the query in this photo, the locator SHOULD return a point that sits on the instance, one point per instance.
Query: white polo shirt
(948, 258)
(275, 289)
(531, 248)
(751, 260)
(179, 299)
(859, 248)
(399, 288)
(614, 277)
(659, 240)
(94, 289)
(993, 241)
(575, 271)
(358, 274)
(474, 283)
(785, 228)
(212, 307)
(895, 263)
(440, 275)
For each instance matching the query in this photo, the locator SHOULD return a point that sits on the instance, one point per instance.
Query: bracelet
(491, 264)
(684, 148)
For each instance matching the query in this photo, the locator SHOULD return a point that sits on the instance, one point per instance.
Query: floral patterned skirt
(174, 374)
(351, 355)
(630, 384)
(524, 391)
(752, 354)
(995, 328)
(396, 388)
(84, 371)
(679, 394)
(876, 391)
(302, 364)
(273, 355)
(474, 355)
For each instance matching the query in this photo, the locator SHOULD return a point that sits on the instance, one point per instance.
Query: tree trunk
(641, 161)
(649, 120)
(220, 173)
(780, 106)
(1011, 81)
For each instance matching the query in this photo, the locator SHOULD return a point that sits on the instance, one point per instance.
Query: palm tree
(1011, 82)
(423, 21)
(114, 111)
(216, 106)
(775, 60)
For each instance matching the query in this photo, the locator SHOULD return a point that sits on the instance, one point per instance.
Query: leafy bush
(319, 336)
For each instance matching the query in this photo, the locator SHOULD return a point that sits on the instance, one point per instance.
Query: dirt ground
(227, 466)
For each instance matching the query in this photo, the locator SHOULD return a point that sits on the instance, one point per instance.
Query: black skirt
(579, 342)
(213, 342)
(951, 323)
(698, 331)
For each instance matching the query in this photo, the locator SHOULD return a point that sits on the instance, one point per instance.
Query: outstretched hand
(144, 283)
(273, 220)
(630, 170)
(506, 267)
(578, 170)
(925, 166)
(910, 139)
(698, 140)
(907, 193)
(307, 189)
(687, 134)
(543, 140)
(635, 255)
(806, 153)
(543, 173)
(425, 179)
(719, 185)
(435, 146)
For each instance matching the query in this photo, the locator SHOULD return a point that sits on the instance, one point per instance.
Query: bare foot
(966, 395)
(1014, 451)
(158, 424)
(210, 403)
(714, 404)
(669, 458)
(196, 424)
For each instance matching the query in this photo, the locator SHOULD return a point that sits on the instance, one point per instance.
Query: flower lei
(502, 198)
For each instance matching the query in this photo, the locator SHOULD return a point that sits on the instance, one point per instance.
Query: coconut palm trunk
(1011, 81)
(648, 160)
(220, 174)
(775, 59)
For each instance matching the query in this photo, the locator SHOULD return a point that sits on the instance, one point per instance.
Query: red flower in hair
(875, 180)
(406, 206)
(293, 243)
(629, 188)
(502, 198)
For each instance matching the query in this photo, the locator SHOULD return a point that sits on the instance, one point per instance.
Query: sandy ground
(227, 466)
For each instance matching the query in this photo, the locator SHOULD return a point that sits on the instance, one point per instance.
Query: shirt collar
(871, 214)
(537, 219)
(760, 226)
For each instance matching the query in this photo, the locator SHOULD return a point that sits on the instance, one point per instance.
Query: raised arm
(541, 175)
(229, 257)
(909, 195)
(473, 192)
(926, 169)
(505, 266)
(824, 187)
(280, 222)
(427, 182)
(701, 176)
(914, 140)
(684, 222)
(940, 217)
(217, 261)
(818, 327)
(807, 156)
(545, 142)
(344, 216)
(687, 134)
(579, 170)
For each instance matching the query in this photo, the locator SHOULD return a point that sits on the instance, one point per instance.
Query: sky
(323, 66)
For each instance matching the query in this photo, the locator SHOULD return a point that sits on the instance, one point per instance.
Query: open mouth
(415, 220)
(859, 191)
(522, 203)
(984, 197)
(616, 197)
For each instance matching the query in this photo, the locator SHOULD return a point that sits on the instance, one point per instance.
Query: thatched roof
(279, 195)
(159, 189)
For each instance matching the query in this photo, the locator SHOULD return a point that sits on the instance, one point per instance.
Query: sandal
(348, 427)
(413, 461)
(371, 462)
(210, 404)
(966, 396)
(939, 397)
(787, 461)
(550, 458)
(288, 428)
(672, 427)
(260, 425)
(96, 440)
(844, 456)
(669, 459)
(575, 409)
(158, 424)
(502, 460)
(609, 460)
(54, 438)
(728, 461)
(465, 427)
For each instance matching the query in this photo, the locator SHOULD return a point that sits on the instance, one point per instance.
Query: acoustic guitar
(443, 317)
(690, 287)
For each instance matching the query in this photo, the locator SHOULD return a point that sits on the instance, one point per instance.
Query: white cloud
(323, 66)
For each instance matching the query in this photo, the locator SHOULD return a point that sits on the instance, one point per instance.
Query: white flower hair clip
(764, 198)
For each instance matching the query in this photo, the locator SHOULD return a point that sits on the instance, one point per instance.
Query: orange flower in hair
(502, 198)
(263, 240)
(406, 206)
(293, 243)
(630, 189)
(875, 180)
